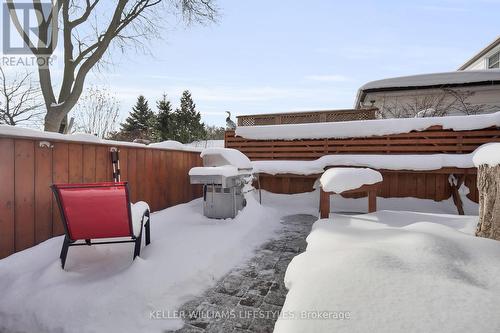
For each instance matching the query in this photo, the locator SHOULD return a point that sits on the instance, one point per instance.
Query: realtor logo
(29, 27)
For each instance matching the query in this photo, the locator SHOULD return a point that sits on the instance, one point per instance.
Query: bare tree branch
(97, 112)
(20, 100)
(123, 22)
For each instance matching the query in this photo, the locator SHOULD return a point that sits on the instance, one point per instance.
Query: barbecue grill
(224, 174)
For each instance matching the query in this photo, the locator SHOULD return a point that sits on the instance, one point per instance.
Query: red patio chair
(100, 210)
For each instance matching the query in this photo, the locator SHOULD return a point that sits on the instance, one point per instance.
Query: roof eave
(363, 92)
(481, 53)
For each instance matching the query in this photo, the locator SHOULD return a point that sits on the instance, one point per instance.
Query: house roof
(480, 54)
(429, 81)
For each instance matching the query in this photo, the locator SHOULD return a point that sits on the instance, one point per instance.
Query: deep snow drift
(394, 272)
(103, 290)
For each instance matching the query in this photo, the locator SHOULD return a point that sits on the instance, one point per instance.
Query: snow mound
(339, 180)
(393, 272)
(225, 156)
(103, 290)
(366, 128)
(488, 154)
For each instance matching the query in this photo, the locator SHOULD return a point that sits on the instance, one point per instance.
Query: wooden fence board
(132, 173)
(24, 194)
(123, 157)
(102, 159)
(43, 195)
(185, 171)
(441, 181)
(163, 175)
(60, 174)
(156, 181)
(430, 188)
(148, 179)
(141, 176)
(421, 184)
(176, 168)
(89, 164)
(7, 222)
(75, 163)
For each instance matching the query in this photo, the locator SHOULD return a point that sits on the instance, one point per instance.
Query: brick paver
(250, 297)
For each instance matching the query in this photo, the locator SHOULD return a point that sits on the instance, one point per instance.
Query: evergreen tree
(164, 125)
(188, 125)
(139, 124)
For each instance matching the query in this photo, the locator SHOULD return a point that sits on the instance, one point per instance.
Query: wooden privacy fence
(28, 213)
(434, 140)
(401, 183)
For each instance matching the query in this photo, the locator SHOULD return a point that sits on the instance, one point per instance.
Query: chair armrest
(137, 211)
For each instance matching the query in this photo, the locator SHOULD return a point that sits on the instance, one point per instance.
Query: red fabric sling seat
(100, 210)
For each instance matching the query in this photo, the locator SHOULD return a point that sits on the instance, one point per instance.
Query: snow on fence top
(339, 180)
(435, 79)
(488, 154)
(225, 156)
(389, 162)
(169, 144)
(366, 128)
(16, 131)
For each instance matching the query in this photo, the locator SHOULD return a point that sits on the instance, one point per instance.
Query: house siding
(482, 63)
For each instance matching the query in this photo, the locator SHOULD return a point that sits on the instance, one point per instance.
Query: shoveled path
(250, 297)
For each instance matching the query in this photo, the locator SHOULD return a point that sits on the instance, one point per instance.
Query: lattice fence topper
(306, 117)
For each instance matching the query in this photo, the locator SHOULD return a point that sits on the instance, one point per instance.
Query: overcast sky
(273, 56)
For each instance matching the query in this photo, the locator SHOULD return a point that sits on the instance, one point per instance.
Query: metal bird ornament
(230, 125)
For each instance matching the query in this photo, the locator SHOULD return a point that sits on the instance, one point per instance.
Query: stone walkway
(250, 297)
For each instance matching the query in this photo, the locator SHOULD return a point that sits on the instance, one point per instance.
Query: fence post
(324, 204)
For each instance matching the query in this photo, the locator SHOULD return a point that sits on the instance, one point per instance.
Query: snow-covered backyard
(174, 167)
(391, 269)
(102, 290)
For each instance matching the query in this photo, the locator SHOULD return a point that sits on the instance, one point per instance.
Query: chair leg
(147, 227)
(137, 248)
(64, 251)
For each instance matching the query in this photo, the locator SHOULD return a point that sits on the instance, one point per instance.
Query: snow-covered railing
(367, 128)
(30, 164)
(306, 117)
(463, 137)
